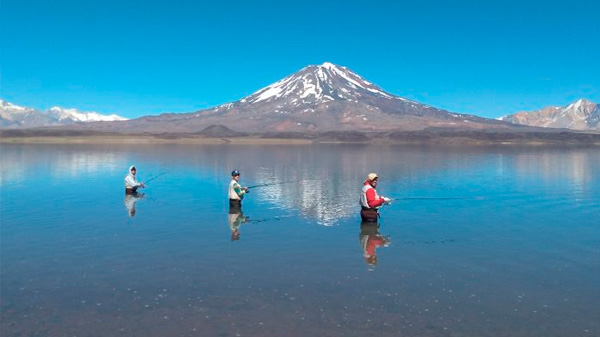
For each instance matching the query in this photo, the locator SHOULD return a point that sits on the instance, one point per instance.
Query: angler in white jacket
(131, 182)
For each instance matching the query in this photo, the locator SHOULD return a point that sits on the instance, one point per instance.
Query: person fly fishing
(370, 202)
(236, 191)
(131, 182)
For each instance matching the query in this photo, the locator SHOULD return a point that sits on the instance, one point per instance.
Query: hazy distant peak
(14, 116)
(79, 116)
(57, 109)
(4, 105)
(579, 115)
(580, 104)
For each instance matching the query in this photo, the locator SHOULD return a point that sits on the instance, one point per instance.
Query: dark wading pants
(130, 191)
(235, 203)
(369, 215)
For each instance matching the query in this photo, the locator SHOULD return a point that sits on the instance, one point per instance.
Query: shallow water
(479, 242)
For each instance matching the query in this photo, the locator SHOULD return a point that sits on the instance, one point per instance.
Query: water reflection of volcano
(324, 183)
(327, 202)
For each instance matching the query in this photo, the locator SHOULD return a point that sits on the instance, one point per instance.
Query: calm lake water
(479, 242)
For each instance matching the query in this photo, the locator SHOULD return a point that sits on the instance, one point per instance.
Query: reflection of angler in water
(370, 240)
(130, 200)
(235, 219)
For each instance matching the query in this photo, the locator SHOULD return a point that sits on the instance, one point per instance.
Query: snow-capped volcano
(14, 116)
(580, 115)
(325, 84)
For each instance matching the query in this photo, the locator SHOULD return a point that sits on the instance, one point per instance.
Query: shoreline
(141, 140)
(117, 139)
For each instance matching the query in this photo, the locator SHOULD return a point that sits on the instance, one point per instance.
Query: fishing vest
(232, 193)
(363, 196)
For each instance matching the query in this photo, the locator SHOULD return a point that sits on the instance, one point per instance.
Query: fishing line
(268, 219)
(429, 198)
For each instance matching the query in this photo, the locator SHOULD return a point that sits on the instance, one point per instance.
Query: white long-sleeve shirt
(131, 181)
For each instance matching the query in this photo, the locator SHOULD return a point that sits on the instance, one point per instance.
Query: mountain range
(14, 116)
(316, 99)
(581, 115)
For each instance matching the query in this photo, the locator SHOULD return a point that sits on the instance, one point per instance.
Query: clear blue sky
(136, 58)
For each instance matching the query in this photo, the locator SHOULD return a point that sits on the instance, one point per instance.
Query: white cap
(372, 176)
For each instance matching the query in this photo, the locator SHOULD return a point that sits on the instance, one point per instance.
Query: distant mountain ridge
(14, 116)
(580, 115)
(317, 98)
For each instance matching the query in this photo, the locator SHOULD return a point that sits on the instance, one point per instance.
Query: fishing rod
(271, 184)
(153, 178)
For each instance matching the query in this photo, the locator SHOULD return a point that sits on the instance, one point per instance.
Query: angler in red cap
(370, 202)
